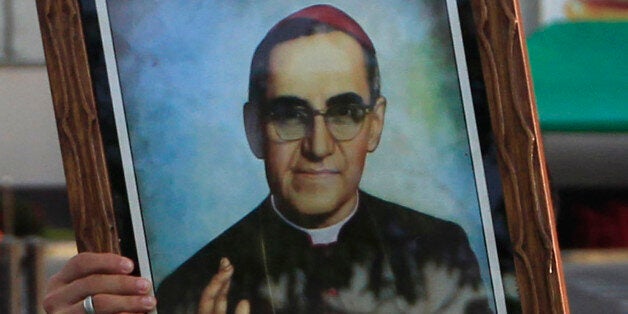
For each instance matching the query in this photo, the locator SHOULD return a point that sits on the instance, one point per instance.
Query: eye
(287, 109)
(296, 113)
(346, 110)
(346, 113)
(289, 113)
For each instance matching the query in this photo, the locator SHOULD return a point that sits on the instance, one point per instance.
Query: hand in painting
(214, 297)
(106, 277)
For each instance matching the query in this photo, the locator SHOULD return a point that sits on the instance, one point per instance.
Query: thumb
(244, 307)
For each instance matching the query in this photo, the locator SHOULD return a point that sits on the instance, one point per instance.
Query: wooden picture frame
(101, 217)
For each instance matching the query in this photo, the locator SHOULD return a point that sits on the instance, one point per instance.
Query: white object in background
(29, 145)
(552, 11)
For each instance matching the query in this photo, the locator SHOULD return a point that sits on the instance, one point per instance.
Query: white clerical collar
(320, 236)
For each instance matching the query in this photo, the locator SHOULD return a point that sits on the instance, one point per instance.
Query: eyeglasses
(292, 118)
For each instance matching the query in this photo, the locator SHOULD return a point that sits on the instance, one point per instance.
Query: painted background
(183, 67)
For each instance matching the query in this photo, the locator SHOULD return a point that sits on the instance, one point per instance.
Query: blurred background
(579, 60)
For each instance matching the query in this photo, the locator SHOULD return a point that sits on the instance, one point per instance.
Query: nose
(318, 143)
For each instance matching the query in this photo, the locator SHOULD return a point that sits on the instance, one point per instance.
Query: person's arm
(105, 277)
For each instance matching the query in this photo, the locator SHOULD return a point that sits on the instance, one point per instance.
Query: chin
(314, 205)
(316, 201)
(315, 209)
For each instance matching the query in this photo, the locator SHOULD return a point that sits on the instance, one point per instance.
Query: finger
(106, 304)
(244, 307)
(220, 306)
(99, 284)
(215, 287)
(85, 264)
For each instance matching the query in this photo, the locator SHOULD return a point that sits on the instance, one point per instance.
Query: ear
(376, 123)
(253, 129)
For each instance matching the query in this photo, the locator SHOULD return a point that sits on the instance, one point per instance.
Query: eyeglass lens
(292, 117)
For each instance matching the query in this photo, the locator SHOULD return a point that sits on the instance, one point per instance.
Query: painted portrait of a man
(294, 157)
(317, 243)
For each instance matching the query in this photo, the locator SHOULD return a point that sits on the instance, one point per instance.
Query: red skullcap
(333, 17)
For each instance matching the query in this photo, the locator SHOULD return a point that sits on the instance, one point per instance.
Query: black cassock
(387, 259)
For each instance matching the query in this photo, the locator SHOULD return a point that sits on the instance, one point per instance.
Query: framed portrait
(331, 157)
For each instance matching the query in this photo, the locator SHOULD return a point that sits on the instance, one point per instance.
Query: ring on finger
(88, 305)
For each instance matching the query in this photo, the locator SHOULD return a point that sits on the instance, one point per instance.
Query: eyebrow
(344, 98)
(287, 100)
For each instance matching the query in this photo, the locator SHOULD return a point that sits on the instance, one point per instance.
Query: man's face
(315, 179)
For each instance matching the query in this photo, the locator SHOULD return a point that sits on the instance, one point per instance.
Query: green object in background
(580, 74)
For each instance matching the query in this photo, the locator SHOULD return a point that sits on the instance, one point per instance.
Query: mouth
(316, 173)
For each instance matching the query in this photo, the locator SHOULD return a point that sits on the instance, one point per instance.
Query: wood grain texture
(77, 123)
(522, 164)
